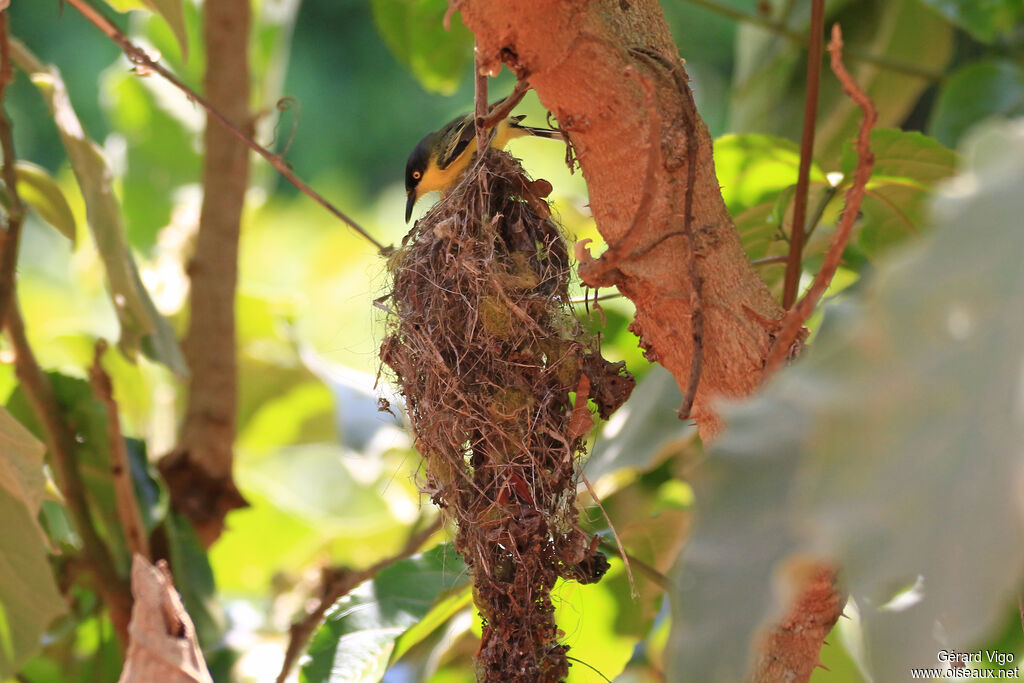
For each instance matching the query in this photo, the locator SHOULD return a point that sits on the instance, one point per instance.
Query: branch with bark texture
(199, 470)
(15, 209)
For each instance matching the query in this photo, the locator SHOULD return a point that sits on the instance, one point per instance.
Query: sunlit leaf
(21, 463)
(645, 430)
(142, 327)
(907, 166)
(594, 643)
(754, 168)
(888, 447)
(38, 189)
(358, 636)
(986, 20)
(975, 92)
(458, 599)
(414, 31)
(170, 10)
(29, 599)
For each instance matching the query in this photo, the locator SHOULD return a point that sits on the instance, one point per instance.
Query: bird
(442, 156)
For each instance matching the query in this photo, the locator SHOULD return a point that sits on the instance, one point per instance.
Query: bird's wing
(460, 133)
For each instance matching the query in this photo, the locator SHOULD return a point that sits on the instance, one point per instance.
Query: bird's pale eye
(417, 175)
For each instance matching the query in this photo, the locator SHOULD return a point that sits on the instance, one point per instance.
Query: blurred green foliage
(329, 480)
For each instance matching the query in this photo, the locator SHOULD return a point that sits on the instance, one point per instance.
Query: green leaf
(771, 69)
(21, 463)
(643, 432)
(456, 600)
(986, 20)
(888, 448)
(975, 92)
(170, 10)
(755, 168)
(590, 617)
(193, 577)
(29, 599)
(414, 31)
(358, 636)
(142, 327)
(87, 418)
(907, 167)
(39, 190)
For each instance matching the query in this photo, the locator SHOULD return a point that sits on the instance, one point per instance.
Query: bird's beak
(409, 203)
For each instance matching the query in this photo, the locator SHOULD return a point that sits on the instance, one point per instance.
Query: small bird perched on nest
(442, 156)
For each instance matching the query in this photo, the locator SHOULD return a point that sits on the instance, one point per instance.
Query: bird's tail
(548, 133)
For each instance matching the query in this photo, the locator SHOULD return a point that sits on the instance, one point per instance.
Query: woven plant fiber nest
(486, 350)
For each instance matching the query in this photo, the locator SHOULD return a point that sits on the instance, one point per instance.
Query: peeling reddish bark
(198, 471)
(791, 649)
(609, 72)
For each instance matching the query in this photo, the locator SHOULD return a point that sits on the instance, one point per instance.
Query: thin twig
(769, 260)
(615, 535)
(480, 100)
(796, 242)
(336, 584)
(15, 209)
(662, 581)
(792, 322)
(124, 491)
(505, 107)
(137, 56)
(60, 442)
(819, 211)
(692, 273)
(603, 297)
(801, 39)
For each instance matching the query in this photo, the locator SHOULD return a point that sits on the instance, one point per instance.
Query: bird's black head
(414, 170)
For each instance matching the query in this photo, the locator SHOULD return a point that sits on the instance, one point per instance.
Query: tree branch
(798, 231)
(60, 442)
(792, 324)
(198, 471)
(503, 109)
(124, 490)
(137, 56)
(15, 209)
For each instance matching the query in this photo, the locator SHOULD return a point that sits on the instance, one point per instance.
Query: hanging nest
(486, 351)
